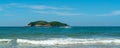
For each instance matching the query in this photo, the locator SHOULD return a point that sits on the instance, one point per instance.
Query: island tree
(45, 23)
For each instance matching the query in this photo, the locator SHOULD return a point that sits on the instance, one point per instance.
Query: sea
(60, 37)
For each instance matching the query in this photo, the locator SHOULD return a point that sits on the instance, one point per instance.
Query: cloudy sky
(72, 12)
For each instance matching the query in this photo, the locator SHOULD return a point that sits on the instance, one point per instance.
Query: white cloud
(113, 13)
(59, 13)
(43, 9)
(63, 11)
(12, 4)
(40, 7)
(9, 14)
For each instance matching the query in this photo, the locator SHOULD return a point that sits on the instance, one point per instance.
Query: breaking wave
(63, 41)
(5, 40)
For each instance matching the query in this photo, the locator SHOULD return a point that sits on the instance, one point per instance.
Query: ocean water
(59, 37)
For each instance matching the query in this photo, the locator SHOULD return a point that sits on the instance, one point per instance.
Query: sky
(72, 12)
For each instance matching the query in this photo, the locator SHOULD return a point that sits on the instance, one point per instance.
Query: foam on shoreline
(62, 41)
(69, 41)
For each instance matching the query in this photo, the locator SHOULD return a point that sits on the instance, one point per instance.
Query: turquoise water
(59, 37)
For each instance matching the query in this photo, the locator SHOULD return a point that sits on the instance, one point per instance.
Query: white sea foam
(69, 41)
(5, 40)
(63, 41)
(66, 27)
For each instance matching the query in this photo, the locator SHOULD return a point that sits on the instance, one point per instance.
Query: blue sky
(72, 12)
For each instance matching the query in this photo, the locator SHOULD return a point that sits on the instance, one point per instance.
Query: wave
(5, 40)
(62, 41)
(69, 41)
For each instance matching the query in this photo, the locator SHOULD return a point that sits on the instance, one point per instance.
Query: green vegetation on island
(45, 23)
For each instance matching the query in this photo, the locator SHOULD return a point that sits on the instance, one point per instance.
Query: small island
(47, 24)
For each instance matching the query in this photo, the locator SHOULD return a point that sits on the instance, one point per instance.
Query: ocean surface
(60, 37)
